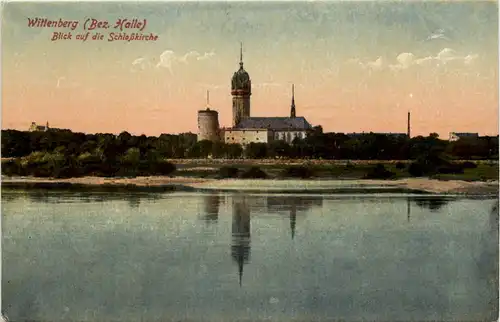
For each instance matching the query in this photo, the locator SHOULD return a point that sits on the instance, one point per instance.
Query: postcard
(249, 161)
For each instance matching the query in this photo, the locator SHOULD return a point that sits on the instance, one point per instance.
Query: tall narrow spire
(208, 98)
(241, 54)
(292, 109)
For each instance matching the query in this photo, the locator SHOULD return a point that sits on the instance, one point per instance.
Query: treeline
(63, 154)
(317, 145)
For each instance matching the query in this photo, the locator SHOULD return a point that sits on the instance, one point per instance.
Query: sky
(356, 66)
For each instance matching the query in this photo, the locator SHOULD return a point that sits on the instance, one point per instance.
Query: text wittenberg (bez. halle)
(91, 29)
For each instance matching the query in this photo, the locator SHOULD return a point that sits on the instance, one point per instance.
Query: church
(245, 128)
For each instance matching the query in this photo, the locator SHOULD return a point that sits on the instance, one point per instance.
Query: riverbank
(165, 183)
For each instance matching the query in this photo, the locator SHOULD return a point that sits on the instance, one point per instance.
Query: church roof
(274, 123)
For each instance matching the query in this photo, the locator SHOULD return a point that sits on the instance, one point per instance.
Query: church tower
(292, 109)
(241, 89)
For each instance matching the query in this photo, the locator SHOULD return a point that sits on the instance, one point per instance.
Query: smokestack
(408, 131)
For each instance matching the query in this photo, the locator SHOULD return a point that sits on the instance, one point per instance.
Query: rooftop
(465, 133)
(275, 123)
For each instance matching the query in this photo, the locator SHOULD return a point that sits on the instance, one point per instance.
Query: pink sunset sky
(356, 66)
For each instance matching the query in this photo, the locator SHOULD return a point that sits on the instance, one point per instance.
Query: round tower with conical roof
(241, 89)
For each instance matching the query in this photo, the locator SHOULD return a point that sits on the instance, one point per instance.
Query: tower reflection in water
(240, 248)
(408, 209)
(211, 204)
(241, 206)
(293, 205)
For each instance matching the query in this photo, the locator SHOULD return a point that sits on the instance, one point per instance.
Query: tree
(205, 148)
(219, 150)
(318, 129)
(256, 151)
(234, 150)
(279, 149)
(132, 156)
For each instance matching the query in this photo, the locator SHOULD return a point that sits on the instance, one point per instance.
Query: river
(73, 256)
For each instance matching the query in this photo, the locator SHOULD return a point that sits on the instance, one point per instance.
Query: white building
(455, 136)
(267, 129)
(38, 128)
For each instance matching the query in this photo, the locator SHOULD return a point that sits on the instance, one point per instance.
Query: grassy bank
(332, 170)
(167, 184)
(134, 164)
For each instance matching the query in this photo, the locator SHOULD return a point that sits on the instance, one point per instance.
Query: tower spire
(292, 109)
(241, 54)
(208, 98)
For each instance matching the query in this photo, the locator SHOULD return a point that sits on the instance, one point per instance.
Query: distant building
(455, 136)
(267, 129)
(394, 135)
(208, 123)
(38, 128)
(246, 129)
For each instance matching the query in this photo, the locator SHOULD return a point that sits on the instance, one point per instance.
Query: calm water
(228, 257)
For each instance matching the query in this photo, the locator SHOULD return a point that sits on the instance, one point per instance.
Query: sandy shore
(418, 185)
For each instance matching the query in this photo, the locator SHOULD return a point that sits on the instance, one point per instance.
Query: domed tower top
(241, 83)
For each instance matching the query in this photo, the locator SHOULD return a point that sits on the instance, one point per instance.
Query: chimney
(408, 130)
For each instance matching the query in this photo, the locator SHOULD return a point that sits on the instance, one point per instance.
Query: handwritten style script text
(119, 28)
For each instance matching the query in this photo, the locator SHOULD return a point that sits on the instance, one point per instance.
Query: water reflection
(293, 205)
(241, 215)
(444, 268)
(487, 260)
(494, 217)
(293, 220)
(240, 248)
(10, 196)
(134, 200)
(432, 203)
(211, 205)
(408, 209)
(55, 197)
